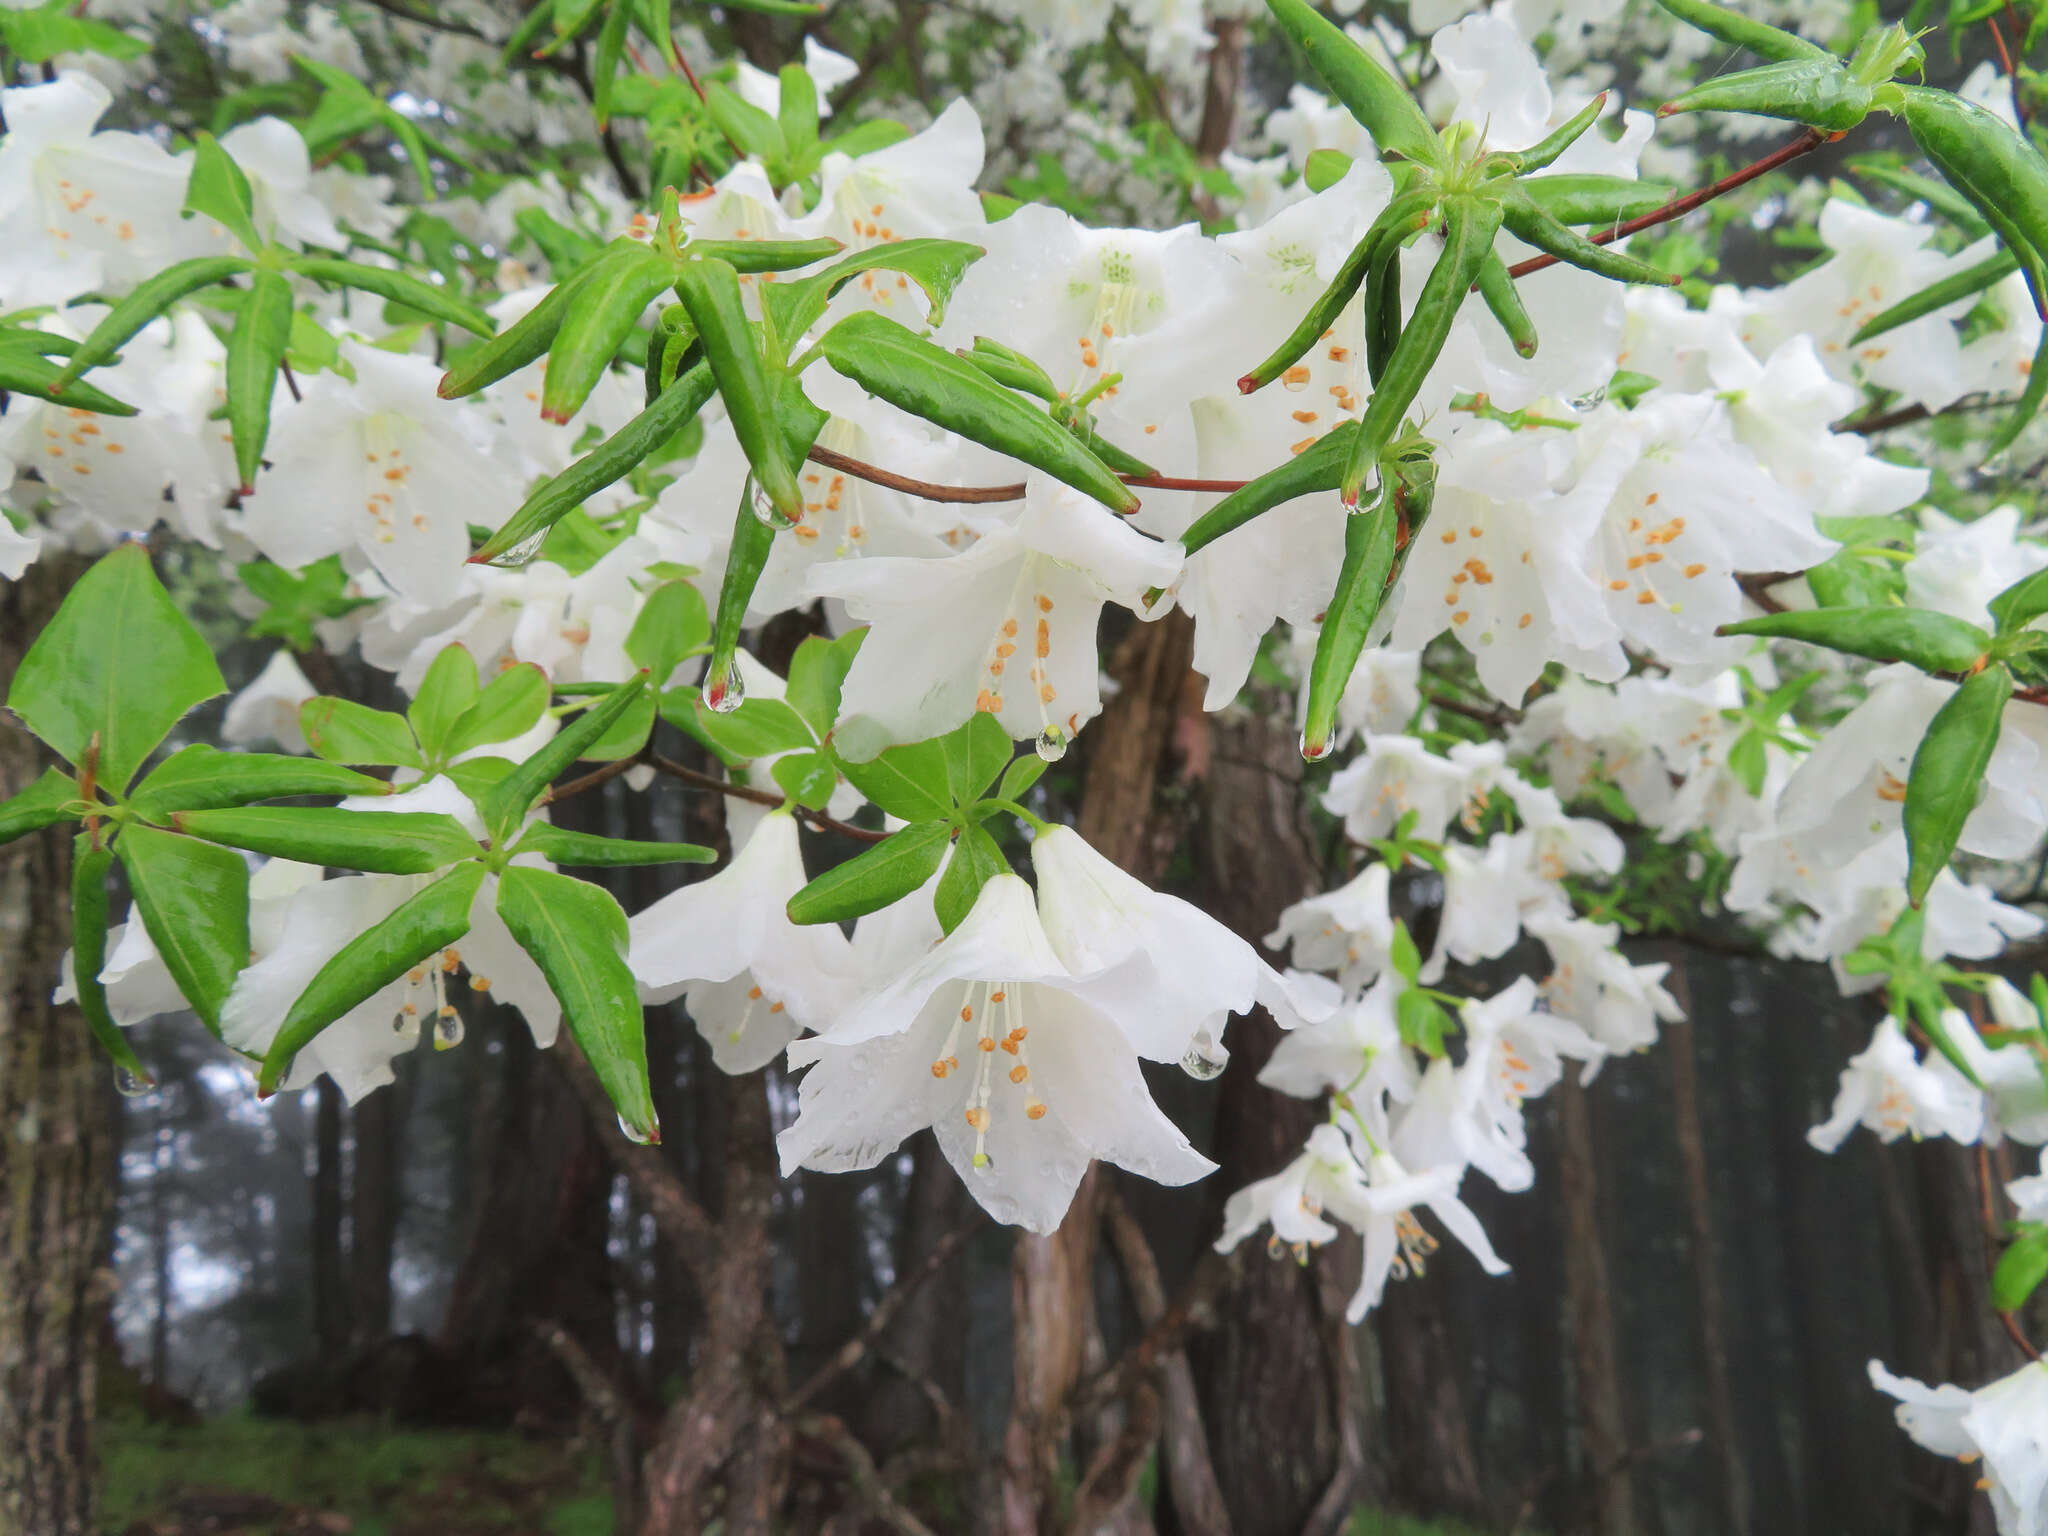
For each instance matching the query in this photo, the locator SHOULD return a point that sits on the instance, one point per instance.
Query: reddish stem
(1678, 208)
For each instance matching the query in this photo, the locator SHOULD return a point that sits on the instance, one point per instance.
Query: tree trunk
(1608, 1488)
(1266, 1376)
(1732, 1482)
(373, 1201)
(1433, 1468)
(1131, 754)
(56, 1153)
(330, 1284)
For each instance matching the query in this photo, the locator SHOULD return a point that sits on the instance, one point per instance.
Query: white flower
(1889, 1089)
(1048, 1079)
(1356, 1051)
(1957, 567)
(1349, 931)
(1393, 776)
(1007, 627)
(2005, 1424)
(1592, 983)
(751, 978)
(384, 468)
(2030, 1194)
(268, 709)
(1185, 971)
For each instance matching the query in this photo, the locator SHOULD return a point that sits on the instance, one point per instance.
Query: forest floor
(276, 1477)
(257, 1477)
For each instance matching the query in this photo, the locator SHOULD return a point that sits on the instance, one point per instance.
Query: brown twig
(857, 1348)
(1992, 1236)
(592, 779)
(862, 1472)
(818, 819)
(1678, 208)
(929, 490)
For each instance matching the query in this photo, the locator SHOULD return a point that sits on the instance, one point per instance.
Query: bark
(1731, 1488)
(925, 1340)
(1132, 754)
(373, 1202)
(1266, 1376)
(56, 1153)
(330, 1287)
(1433, 1468)
(537, 1248)
(1609, 1490)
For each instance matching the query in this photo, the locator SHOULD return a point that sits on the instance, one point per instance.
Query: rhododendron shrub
(1577, 574)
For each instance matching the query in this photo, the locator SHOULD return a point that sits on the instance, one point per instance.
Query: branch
(1014, 491)
(893, 1301)
(1193, 1311)
(1992, 1247)
(817, 819)
(861, 1471)
(1678, 208)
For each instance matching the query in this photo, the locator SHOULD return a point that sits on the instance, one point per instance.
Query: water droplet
(131, 1084)
(1589, 400)
(860, 1061)
(647, 1138)
(447, 1031)
(524, 553)
(1205, 1059)
(1052, 744)
(1316, 751)
(766, 513)
(727, 696)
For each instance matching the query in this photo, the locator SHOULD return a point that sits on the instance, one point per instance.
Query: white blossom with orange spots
(751, 979)
(2001, 1430)
(1021, 1068)
(1006, 627)
(380, 470)
(1891, 1090)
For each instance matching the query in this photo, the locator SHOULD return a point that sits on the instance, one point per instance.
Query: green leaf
(1020, 776)
(909, 782)
(936, 266)
(256, 349)
(219, 190)
(975, 754)
(1950, 290)
(976, 861)
(710, 291)
(2021, 1269)
(517, 541)
(117, 666)
(751, 256)
(39, 35)
(1983, 157)
(816, 674)
(431, 300)
(1948, 774)
(877, 878)
(1847, 580)
(926, 380)
(29, 372)
(448, 689)
(89, 867)
(587, 850)
(1379, 101)
(1405, 958)
(808, 778)
(1932, 641)
(343, 731)
(1575, 198)
(379, 842)
(194, 900)
(1362, 583)
(204, 778)
(625, 736)
(758, 728)
(49, 800)
(797, 104)
(1740, 32)
(577, 935)
(2021, 603)
(1325, 168)
(752, 131)
(602, 313)
(1817, 92)
(506, 806)
(673, 623)
(424, 925)
(1421, 1020)
(510, 705)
